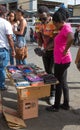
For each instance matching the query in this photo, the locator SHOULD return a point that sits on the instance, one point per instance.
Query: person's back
(3, 32)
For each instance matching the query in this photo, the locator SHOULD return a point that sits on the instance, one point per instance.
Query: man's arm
(11, 43)
(40, 39)
(50, 44)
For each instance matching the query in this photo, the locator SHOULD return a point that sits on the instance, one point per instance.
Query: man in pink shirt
(62, 58)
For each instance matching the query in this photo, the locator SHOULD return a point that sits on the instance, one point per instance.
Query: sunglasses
(43, 19)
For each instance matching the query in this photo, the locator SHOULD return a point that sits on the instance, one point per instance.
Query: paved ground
(62, 120)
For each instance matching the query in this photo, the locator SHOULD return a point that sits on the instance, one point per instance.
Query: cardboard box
(14, 122)
(28, 108)
(34, 92)
(10, 111)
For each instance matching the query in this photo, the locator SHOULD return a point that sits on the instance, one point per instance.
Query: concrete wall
(61, 1)
(24, 3)
(28, 4)
(76, 10)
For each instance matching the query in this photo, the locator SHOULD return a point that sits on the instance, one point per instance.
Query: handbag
(21, 53)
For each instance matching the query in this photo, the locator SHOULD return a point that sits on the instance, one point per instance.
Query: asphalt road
(62, 120)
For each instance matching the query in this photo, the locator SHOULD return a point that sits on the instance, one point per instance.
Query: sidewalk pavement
(62, 120)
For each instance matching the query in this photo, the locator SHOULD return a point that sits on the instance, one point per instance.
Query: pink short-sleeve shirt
(60, 42)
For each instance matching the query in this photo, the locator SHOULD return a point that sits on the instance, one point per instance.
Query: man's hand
(13, 53)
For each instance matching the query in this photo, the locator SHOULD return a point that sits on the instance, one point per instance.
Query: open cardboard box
(14, 122)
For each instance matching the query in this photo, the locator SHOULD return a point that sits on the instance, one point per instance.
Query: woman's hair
(60, 15)
(13, 13)
(43, 9)
(64, 11)
(20, 10)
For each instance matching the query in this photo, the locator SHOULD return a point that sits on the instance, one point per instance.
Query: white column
(34, 5)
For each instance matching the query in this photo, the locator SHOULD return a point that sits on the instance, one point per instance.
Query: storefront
(10, 4)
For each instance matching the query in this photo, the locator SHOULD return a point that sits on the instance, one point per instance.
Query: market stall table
(30, 85)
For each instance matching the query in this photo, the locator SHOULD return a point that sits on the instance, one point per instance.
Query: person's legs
(75, 38)
(78, 39)
(48, 62)
(62, 77)
(20, 62)
(2, 77)
(17, 62)
(24, 61)
(11, 57)
(60, 72)
(65, 88)
(58, 92)
(4, 58)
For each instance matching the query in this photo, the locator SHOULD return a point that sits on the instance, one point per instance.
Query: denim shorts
(4, 57)
(21, 42)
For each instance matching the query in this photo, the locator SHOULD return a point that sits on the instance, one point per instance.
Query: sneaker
(51, 100)
(52, 109)
(62, 106)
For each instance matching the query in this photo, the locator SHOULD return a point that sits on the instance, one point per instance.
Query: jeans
(4, 59)
(20, 41)
(11, 57)
(19, 62)
(60, 72)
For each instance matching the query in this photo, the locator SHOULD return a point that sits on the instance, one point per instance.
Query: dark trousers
(48, 61)
(76, 38)
(60, 72)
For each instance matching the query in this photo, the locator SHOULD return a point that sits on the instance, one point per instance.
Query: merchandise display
(30, 74)
(32, 83)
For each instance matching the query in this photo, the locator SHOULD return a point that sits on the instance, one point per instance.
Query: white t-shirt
(5, 29)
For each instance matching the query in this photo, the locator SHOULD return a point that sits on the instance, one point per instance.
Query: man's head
(3, 11)
(43, 13)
